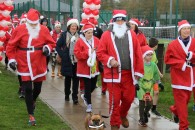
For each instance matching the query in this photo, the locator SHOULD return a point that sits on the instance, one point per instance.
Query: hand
(92, 50)
(137, 86)
(161, 75)
(137, 77)
(45, 51)
(114, 63)
(12, 65)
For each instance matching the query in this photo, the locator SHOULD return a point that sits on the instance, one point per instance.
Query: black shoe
(103, 93)
(67, 98)
(155, 112)
(22, 95)
(161, 87)
(75, 101)
(145, 117)
(175, 118)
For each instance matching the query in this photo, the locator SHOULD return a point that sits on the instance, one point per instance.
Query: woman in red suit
(87, 65)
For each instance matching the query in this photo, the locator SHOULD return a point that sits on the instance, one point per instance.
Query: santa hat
(33, 16)
(71, 21)
(119, 13)
(15, 16)
(135, 21)
(145, 50)
(15, 20)
(83, 22)
(23, 18)
(87, 27)
(57, 24)
(183, 23)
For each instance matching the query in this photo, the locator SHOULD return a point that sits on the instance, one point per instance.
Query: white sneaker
(89, 108)
(84, 100)
(136, 101)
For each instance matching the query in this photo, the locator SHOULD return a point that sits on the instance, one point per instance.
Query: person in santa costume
(181, 58)
(120, 53)
(23, 18)
(87, 66)
(65, 46)
(29, 45)
(55, 57)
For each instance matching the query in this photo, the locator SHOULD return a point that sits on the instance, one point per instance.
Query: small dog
(94, 122)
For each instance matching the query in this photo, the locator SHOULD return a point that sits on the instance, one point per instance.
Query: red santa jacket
(56, 35)
(31, 63)
(108, 50)
(142, 39)
(8, 35)
(182, 75)
(82, 51)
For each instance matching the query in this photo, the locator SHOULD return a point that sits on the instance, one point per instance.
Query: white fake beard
(119, 30)
(33, 31)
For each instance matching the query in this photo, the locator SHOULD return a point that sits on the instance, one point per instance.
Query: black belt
(31, 48)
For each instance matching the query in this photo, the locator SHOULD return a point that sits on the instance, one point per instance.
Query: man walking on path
(120, 53)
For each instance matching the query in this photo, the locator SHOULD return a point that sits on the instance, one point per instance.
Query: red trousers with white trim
(180, 108)
(104, 87)
(121, 96)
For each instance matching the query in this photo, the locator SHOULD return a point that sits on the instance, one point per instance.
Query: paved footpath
(53, 95)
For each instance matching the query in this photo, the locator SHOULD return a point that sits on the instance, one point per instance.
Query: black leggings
(90, 85)
(144, 108)
(32, 91)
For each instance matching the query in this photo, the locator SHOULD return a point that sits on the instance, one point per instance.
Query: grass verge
(13, 113)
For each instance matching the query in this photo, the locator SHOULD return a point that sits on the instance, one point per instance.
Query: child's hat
(145, 50)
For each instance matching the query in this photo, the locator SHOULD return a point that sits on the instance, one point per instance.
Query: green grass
(166, 99)
(13, 113)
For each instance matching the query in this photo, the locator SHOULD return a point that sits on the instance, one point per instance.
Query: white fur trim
(11, 60)
(108, 63)
(72, 21)
(190, 55)
(87, 29)
(32, 22)
(133, 22)
(149, 51)
(183, 25)
(139, 74)
(184, 66)
(119, 15)
(185, 48)
(182, 87)
(47, 48)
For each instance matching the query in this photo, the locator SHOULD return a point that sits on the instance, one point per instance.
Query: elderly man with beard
(26, 51)
(120, 53)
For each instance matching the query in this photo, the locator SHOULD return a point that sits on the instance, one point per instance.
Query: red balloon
(1, 17)
(6, 28)
(2, 6)
(1, 28)
(95, 12)
(10, 8)
(1, 48)
(2, 39)
(8, 18)
(97, 2)
(93, 20)
(1, 58)
(87, 11)
(89, 1)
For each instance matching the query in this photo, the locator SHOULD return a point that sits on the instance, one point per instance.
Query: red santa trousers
(121, 96)
(194, 94)
(181, 98)
(104, 87)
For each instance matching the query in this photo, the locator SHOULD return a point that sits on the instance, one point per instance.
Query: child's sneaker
(32, 121)
(84, 100)
(145, 117)
(194, 108)
(22, 94)
(155, 112)
(142, 123)
(175, 118)
(89, 108)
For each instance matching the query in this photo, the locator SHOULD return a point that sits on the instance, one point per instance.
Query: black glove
(137, 86)
(12, 65)
(161, 86)
(45, 51)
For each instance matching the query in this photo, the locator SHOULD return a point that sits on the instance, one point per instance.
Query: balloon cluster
(5, 9)
(91, 9)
